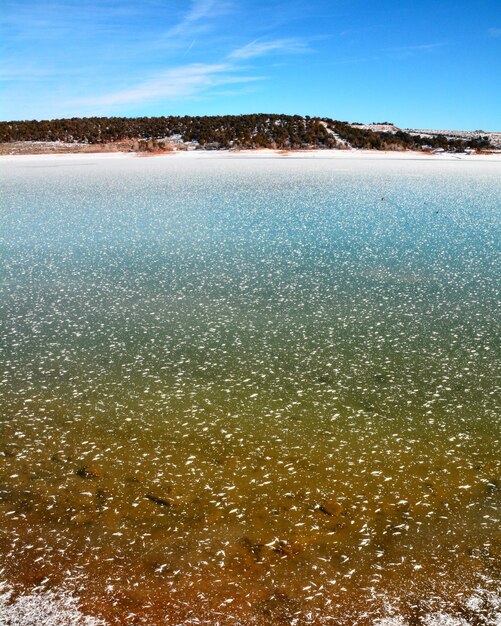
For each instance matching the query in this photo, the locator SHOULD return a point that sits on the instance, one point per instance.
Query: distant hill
(494, 138)
(283, 132)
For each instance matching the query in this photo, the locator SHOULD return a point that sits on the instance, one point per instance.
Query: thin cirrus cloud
(195, 79)
(424, 47)
(199, 13)
(494, 32)
(201, 9)
(177, 82)
(198, 78)
(258, 48)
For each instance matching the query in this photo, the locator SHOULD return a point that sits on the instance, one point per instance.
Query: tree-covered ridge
(226, 131)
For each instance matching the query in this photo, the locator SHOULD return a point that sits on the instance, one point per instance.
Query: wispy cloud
(258, 48)
(197, 17)
(196, 79)
(182, 81)
(494, 32)
(401, 53)
(205, 8)
(425, 47)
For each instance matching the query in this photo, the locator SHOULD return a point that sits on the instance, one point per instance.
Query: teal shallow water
(265, 390)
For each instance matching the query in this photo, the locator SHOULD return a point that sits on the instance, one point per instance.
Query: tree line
(225, 131)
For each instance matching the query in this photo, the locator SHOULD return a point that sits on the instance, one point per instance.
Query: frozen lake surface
(251, 391)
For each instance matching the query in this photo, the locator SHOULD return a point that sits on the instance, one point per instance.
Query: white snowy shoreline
(61, 608)
(334, 155)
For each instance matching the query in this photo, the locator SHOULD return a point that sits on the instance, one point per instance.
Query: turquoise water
(253, 390)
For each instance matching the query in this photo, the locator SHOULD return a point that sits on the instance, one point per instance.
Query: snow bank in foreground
(483, 608)
(59, 608)
(42, 608)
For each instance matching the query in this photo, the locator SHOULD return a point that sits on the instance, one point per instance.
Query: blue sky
(421, 64)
